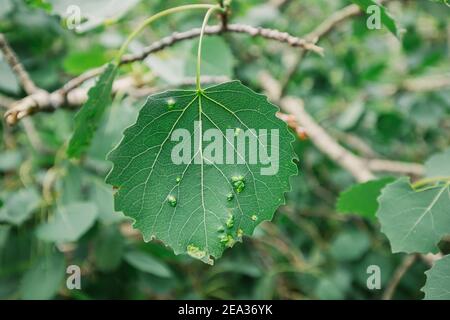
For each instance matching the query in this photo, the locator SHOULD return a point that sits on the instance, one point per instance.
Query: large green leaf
(44, 278)
(386, 19)
(414, 220)
(438, 280)
(90, 115)
(200, 207)
(362, 198)
(69, 223)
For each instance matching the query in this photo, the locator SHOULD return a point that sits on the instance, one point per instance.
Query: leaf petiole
(426, 181)
(153, 18)
(200, 41)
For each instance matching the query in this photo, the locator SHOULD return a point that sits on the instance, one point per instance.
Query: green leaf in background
(40, 4)
(19, 206)
(8, 81)
(1, 133)
(70, 186)
(265, 287)
(350, 246)
(44, 278)
(69, 223)
(217, 58)
(199, 207)
(414, 221)
(334, 285)
(446, 2)
(179, 63)
(94, 13)
(438, 280)
(78, 62)
(10, 160)
(386, 19)
(4, 232)
(109, 248)
(102, 196)
(438, 165)
(121, 115)
(146, 263)
(90, 115)
(362, 198)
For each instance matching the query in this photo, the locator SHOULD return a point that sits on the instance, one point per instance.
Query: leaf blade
(438, 282)
(386, 19)
(90, 115)
(362, 198)
(69, 223)
(200, 227)
(414, 221)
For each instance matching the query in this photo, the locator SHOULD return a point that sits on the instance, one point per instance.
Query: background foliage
(311, 250)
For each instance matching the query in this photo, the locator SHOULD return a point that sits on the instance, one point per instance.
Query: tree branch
(13, 61)
(360, 168)
(325, 143)
(406, 264)
(399, 167)
(321, 31)
(45, 101)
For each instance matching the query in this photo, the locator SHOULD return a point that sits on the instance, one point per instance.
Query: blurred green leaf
(102, 196)
(19, 206)
(44, 278)
(350, 245)
(77, 62)
(146, 263)
(4, 232)
(386, 19)
(8, 81)
(109, 248)
(333, 286)
(94, 13)
(10, 160)
(438, 165)
(217, 58)
(361, 198)
(69, 223)
(90, 115)
(178, 64)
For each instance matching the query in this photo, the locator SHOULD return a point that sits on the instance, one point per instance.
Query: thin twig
(34, 138)
(13, 61)
(406, 264)
(44, 101)
(6, 102)
(399, 167)
(360, 168)
(314, 36)
(431, 258)
(325, 143)
(319, 32)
